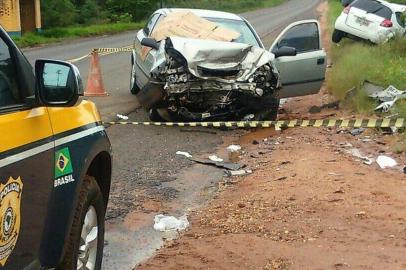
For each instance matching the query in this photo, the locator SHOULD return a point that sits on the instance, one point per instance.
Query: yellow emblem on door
(10, 216)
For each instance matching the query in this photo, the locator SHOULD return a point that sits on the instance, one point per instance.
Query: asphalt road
(116, 67)
(148, 177)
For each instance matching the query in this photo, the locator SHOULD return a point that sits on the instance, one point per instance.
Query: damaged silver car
(225, 73)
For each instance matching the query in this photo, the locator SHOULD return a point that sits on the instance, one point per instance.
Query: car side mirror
(150, 42)
(58, 83)
(285, 51)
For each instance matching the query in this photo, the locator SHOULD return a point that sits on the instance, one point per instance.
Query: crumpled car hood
(217, 56)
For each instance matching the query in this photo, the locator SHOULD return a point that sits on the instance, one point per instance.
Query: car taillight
(347, 9)
(387, 23)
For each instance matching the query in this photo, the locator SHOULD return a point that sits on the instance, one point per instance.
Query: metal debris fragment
(239, 172)
(224, 165)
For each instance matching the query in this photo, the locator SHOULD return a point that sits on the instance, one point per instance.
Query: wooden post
(38, 24)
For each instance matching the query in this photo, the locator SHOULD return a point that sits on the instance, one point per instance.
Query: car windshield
(371, 6)
(247, 36)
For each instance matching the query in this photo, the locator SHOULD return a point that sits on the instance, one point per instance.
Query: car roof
(204, 13)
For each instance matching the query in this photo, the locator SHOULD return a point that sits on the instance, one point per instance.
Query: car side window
(401, 18)
(151, 24)
(9, 91)
(302, 37)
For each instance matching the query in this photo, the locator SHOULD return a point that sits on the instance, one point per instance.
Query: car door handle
(321, 61)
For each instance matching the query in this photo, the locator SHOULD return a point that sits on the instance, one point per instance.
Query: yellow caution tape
(103, 52)
(78, 59)
(113, 50)
(353, 123)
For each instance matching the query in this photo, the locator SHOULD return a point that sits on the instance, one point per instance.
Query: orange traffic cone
(95, 87)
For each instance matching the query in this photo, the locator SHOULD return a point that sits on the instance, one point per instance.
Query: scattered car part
(388, 96)
(238, 173)
(357, 131)
(224, 165)
(357, 153)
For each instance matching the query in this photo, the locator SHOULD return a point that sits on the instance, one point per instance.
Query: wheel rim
(87, 252)
(132, 76)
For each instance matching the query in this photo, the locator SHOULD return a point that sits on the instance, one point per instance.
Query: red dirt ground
(308, 204)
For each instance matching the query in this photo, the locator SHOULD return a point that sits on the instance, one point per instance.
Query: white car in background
(372, 20)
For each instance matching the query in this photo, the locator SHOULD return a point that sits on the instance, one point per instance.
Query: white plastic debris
(169, 223)
(356, 153)
(387, 105)
(124, 117)
(239, 172)
(386, 162)
(388, 94)
(233, 153)
(215, 158)
(234, 148)
(388, 97)
(186, 154)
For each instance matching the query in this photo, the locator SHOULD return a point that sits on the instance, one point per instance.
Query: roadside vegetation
(354, 62)
(67, 19)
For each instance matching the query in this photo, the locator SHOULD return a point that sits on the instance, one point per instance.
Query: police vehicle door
(26, 161)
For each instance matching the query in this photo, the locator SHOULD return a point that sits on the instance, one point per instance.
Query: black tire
(273, 113)
(154, 116)
(337, 36)
(270, 111)
(90, 195)
(134, 89)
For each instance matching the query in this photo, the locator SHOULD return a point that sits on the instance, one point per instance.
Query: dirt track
(308, 205)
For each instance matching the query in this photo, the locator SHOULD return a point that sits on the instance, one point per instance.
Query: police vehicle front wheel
(86, 239)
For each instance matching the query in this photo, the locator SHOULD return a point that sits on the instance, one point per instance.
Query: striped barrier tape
(113, 50)
(103, 52)
(354, 123)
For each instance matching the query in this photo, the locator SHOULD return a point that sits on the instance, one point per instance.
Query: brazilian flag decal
(63, 163)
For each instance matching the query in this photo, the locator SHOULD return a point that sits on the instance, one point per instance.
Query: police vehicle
(55, 166)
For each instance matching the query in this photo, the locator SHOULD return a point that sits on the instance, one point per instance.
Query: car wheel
(337, 36)
(273, 113)
(159, 115)
(133, 85)
(86, 239)
(270, 109)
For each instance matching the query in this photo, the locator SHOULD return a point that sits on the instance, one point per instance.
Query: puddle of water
(127, 247)
(132, 240)
(259, 134)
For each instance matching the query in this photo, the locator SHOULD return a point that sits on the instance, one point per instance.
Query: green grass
(354, 62)
(59, 34)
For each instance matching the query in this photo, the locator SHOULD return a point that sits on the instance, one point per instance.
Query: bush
(89, 12)
(58, 13)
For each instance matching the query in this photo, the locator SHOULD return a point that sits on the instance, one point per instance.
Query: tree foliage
(58, 12)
